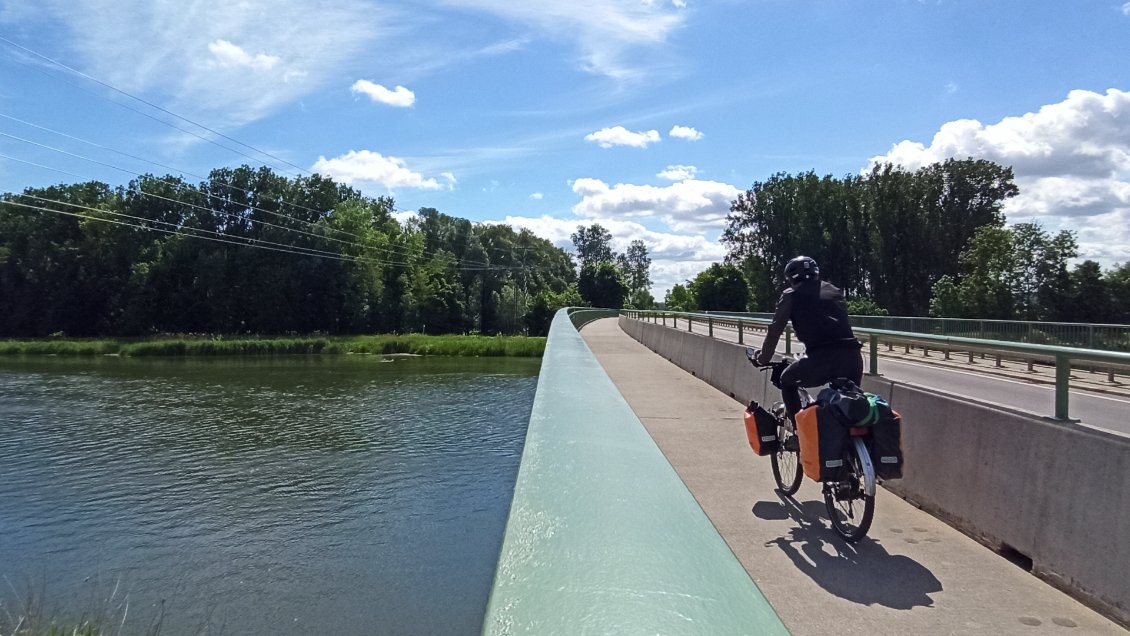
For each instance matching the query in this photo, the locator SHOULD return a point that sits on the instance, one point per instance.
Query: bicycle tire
(786, 465)
(846, 499)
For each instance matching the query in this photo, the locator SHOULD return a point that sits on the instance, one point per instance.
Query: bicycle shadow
(863, 573)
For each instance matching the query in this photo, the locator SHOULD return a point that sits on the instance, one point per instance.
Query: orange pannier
(823, 439)
(761, 430)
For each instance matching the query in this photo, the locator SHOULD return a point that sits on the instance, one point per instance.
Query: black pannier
(886, 446)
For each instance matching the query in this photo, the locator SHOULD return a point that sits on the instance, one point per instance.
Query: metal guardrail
(1061, 356)
(1105, 337)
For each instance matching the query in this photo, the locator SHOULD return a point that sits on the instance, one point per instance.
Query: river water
(329, 495)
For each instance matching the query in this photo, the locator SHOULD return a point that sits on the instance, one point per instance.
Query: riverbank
(417, 344)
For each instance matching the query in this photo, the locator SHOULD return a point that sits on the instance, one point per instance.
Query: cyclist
(819, 315)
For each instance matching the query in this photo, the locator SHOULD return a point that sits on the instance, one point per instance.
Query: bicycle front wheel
(786, 464)
(850, 508)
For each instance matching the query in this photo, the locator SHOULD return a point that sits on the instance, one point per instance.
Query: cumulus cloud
(227, 54)
(687, 206)
(400, 97)
(675, 258)
(1126, 9)
(620, 136)
(366, 166)
(537, 196)
(678, 173)
(1071, 160)
(685, 132)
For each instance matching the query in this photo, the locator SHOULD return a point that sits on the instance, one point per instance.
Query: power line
(389, 248)
(257, 244)
(150, 104)
(182, 118)
(181, 229)
(461, 264)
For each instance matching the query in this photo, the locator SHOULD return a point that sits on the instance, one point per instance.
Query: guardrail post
(674, 322)
(710, 326)
(690, 324)
(788, 342)
(874, 364)
(1062, 385)
(741, 338)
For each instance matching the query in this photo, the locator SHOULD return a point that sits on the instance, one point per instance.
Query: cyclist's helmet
(800, 269)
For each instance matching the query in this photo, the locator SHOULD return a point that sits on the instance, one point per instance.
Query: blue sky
(647, 116)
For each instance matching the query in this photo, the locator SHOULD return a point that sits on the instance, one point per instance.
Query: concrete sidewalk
(912, 575)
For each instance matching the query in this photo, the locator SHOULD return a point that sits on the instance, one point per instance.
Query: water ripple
(259, 492)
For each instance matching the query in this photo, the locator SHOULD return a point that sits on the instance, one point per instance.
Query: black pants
(820, 367)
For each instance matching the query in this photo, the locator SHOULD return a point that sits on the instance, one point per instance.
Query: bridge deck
(913, 574)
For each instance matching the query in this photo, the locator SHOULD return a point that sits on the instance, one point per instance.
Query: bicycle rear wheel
(786, 464)
(850, 508)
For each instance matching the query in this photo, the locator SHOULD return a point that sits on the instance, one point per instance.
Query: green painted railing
(603, 537)
(1062, 357)
(581, 316)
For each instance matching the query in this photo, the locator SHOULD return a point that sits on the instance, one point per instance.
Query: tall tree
(593, 245)
(600, 285)
(720, 288)
(679, 298)
(1090, 296)
(888, 235)
(635, 265)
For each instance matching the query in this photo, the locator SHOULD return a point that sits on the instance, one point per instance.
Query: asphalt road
(1012, 386)
(1101, 411)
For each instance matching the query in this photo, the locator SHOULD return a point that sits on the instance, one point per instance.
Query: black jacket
(819, 315)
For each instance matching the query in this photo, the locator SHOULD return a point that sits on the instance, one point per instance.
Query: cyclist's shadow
(864, 572)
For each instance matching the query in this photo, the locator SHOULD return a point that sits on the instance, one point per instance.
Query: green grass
(515, 346)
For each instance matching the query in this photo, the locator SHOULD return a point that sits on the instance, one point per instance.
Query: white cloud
(400, 96)
(952, 88)
(1126, 9)
(685, 132)
(366, 166)
(675, 258)
(224, 63)
(615, 38)
(678, 173)
(620, 136)
(1071, 161)
(227, 54)
(537, 196)
(686, 206)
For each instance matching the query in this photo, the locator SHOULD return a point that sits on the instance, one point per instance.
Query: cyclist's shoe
(792, 444)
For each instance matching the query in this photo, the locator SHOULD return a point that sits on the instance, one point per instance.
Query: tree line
(251, 251)
(932, 241)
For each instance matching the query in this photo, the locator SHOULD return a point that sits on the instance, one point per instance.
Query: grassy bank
(517, 346)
